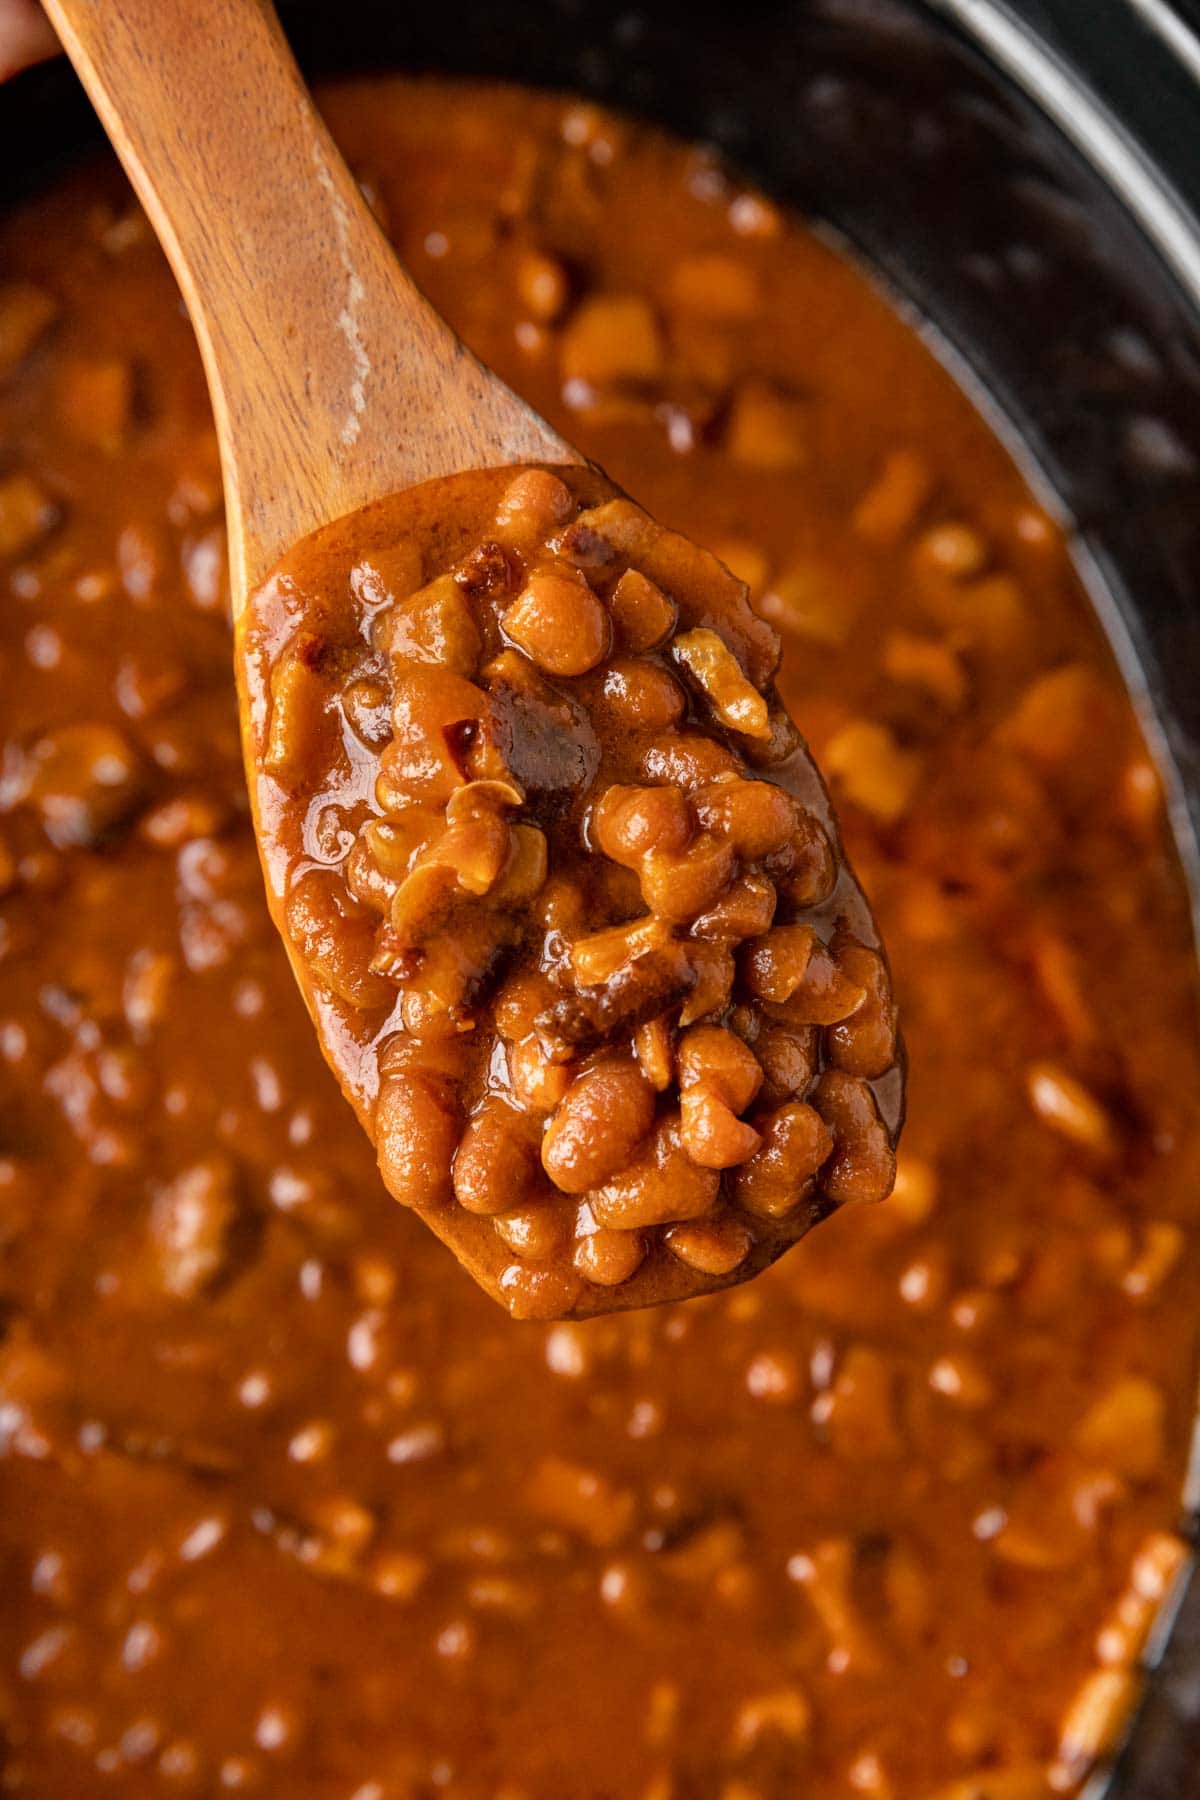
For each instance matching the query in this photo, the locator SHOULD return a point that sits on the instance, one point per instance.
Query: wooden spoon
(335, 384)
(333, 381)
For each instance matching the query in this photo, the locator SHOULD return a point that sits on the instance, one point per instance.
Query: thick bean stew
(563, 887)
(288, 1505)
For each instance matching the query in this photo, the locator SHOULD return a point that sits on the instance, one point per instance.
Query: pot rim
(1047, 51)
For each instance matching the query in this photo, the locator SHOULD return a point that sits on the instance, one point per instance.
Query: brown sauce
(287, 1505)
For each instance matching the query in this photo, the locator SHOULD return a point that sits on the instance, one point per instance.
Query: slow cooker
(1026, 179)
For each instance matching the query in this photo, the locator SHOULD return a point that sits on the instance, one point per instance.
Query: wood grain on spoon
(556, 873)
(333, 381)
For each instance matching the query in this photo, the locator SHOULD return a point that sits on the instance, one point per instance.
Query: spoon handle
(333, 381)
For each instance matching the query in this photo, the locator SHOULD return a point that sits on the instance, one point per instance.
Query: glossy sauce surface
(286, 1505)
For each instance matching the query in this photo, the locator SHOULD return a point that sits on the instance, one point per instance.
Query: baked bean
(85, 781)
(192, 1223)
(299, 701)
(952, 550)
(1161, 1247)
(433, 710)
(806, 870)
(420, 907)
(928, 664)
(629, 822)
(541, 284)
(713, 971)
(774, 1377)
(768, 429)
(559, 623)
(659, 1184)
(714, 285)
(711, 1246)
(539, 1291)
(393, 846)
(607, 1258)
(26, 314)
(96, 402)
(387, 574)
(611, 339)
(789, 1057)
(476, 842)
(439, 980)
(148, 686)
(532, 504)
(865, 1043)
(518, 1002)
(641, 695)
(1124, 1428)
(686, 761)
(755, 816)
(1068, 1107)
(714, 1057)
(863, 1164)
(144, 558)
(496, 1162)
(337, 939)
(781, 1714)
(416, 1135)
(606, 1111)
(700, 586)
(27, 513)
(1060, 718)
(181, 820)
(536, 1231)
(146, 991)
(445, 1057)
(890, 508)
(959, 1378)
(745, 910)
(868, 767)
(434, 625)
(641, 612)
(713, 1135)
(992, 617)
(790, 968)
(365, 706)
(827, 1575)
(795, 1143)
(581, 1500)
(681, 884)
